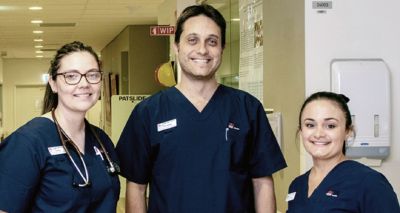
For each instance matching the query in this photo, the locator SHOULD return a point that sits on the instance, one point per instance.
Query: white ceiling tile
(97, 22)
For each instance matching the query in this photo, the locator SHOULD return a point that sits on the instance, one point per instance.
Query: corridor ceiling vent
(57, 24)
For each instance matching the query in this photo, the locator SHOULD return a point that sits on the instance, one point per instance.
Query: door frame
(16, 86)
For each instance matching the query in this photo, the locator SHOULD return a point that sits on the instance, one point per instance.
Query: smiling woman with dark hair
(59, 162)
(335, 184)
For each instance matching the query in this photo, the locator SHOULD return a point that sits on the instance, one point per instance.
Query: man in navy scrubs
(202, 146)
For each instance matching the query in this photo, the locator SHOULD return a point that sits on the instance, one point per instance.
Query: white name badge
(166, 125)
(290, 196)
(56, 150)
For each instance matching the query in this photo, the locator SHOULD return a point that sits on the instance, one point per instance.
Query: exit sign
(162, 30)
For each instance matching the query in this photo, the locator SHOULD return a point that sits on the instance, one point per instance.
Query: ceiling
(95, 22)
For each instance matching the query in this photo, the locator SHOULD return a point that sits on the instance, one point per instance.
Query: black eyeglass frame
(80, 79)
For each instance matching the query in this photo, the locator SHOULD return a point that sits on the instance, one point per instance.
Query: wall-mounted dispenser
(367, 83)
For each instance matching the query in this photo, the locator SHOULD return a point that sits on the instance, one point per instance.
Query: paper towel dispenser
(367, 83)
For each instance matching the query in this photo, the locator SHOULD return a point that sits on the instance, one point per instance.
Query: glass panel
(228, 73)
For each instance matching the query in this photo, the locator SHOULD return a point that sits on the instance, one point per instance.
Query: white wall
(356, 29)
(284, 80)
(1, 70)
(1, 97)
(19, 72)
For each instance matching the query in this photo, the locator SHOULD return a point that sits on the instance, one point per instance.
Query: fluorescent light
(36, 21)
(35, 8)
(39, 56)
(5, 8)
(38, 46)
(38, 40)
(39, 51)
(38, 31)
(235, 19)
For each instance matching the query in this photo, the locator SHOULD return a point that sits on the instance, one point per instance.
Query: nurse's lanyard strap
(112, 167)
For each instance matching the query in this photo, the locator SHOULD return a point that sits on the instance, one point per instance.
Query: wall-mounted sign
(162, 30)
(322, 5)
(121, 108)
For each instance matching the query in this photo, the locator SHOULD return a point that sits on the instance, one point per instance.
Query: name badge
(166, 125)
(290, 196)
(56, 150)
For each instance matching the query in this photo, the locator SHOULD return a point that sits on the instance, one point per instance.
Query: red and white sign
(162, 30)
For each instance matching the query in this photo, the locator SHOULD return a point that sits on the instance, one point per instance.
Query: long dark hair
(340, 99)
(196, 10)
(50, 98)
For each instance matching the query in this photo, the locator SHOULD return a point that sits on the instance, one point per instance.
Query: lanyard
(112, 167)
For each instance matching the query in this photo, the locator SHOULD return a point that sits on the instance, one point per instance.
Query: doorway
(28, 101)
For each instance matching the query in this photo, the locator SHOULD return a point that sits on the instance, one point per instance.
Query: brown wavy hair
(50, 100)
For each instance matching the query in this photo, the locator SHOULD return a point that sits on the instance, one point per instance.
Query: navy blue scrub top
(36, 177)
(199, 161)
(349, 187)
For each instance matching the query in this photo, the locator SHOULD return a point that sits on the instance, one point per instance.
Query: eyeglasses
(74, 77)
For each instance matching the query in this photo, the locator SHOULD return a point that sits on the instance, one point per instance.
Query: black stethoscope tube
(112, 167)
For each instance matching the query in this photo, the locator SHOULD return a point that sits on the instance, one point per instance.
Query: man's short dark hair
(196, 10)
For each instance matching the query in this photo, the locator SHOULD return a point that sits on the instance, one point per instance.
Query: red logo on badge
(331, 193)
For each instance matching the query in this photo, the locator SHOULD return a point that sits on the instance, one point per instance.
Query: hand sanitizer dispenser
(367, 84)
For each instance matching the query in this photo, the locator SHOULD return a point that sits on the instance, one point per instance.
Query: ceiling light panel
(36, 21)
(35, 8)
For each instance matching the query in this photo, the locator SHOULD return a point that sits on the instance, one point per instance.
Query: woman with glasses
(59, 162)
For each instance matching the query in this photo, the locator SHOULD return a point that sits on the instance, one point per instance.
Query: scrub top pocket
(164, 146)
(240, 149)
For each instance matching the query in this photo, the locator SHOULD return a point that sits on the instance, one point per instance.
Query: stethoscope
(112, 167)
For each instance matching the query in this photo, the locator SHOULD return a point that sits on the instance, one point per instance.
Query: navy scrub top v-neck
(36, 176)
(350, 187)
(199, 161)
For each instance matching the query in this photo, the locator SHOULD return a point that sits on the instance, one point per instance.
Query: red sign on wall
(162, 30)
